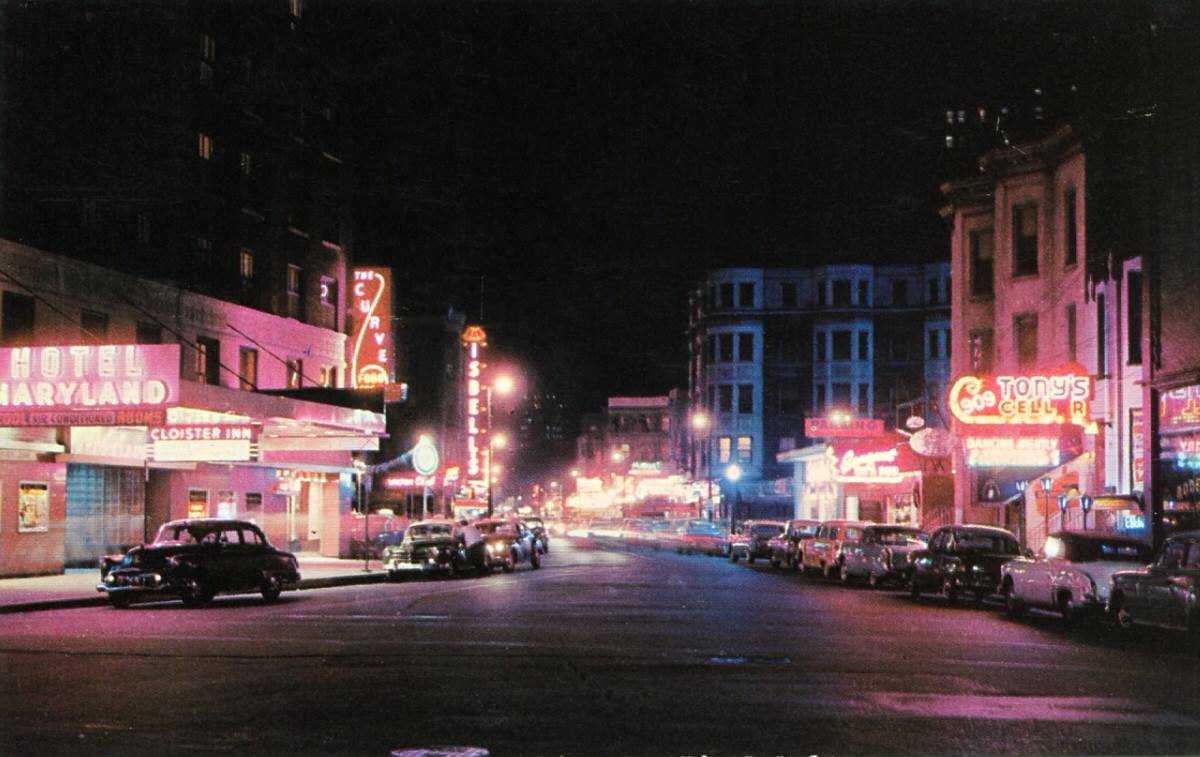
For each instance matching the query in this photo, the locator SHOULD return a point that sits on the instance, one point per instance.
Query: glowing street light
(499, 441)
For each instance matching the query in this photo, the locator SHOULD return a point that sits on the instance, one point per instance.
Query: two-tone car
(1072, 572)
(434, 546)
(1163, 594)
(507, 541)
(196, 559)
(752, 540)
(701, 537)
(882, 554)
(963, 559)
(823, 553)
(786, 548)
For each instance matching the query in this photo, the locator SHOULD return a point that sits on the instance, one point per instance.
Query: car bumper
(966, 582)
(134, 583)
(399, 566)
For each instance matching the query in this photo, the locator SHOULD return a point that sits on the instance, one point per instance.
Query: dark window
(93, 327)
(1134, 324)
(248, 368)
(933, 291)
(745, 295)
(820, 337)
(787, 294)
(819, 406)
(745, 348)
(148, 333)
(862, 293)
(725, 348)
(899, 292)
(745, 403)
(295, 292)
(16, 319)
(253, 503)
(1071, 332)
(864, 345)
(1025, 328)
(726, 299)
(841, 345)
(841, 396)
(841, 292)
(1070, 228)
(208, 361)
(864, 402)
(710, 350)
(1025, 240)
(789, 399)
(725, 393)
(1101, 336)
(981, 261)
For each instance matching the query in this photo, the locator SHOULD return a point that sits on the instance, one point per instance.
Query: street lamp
(733, 472)
(1085, 504)
(1046, 484)
(700, 425)
(361, 468)
(1062, 511)
(1022, 485)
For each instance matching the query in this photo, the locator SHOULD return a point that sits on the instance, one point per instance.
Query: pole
(491, 447)
(362, 502)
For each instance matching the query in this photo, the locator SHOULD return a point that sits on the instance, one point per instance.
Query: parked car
(195, 560)
(823, 553)
(752, 540)
(703, 536)
(507, 542)
(882, 554)
(1072, 574)
(435, 546)
(541, 534)
(786, 548)
(1165, 593)
(376, 546)
(963, 559)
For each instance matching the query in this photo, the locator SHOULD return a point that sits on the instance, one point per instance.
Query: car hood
(989, 561)
(436, 541)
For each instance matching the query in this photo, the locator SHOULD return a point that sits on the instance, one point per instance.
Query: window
(864, 345)
(981, 261)
(841, 292)
(936, 341)
(295, 7)
(205, 146)
(93, 327)
(787, 294)
(1025, 240)
(204, 251)
(1133, 325)
(745, 447)
(295, 374)
(1025, 327)
(148, 333)
(725, 398)
(208, 48)
(1101, 336)
(245, 163)
(819, 404)
(725, 348)
(90, 217)
(863, 298)
(864, 400)
(899, 292)
(789, 399)
(208, 361)
(726, 296)
(841, 395)
(1071, 332)
(841, 345)
(294, 287)
(1070, 228)
(724, 448)
(327, 376)
(253, 504)
(745, 347)
(820, 346)
(329, 291)
(745, 296)
(143, 228)
(934, 295)
(745, 403)
(710, 349)
(248, 368)
(246, 265)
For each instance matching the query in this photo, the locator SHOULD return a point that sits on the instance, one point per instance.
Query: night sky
(584, 162)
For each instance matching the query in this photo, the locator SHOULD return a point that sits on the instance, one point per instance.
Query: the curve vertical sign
(371, 356)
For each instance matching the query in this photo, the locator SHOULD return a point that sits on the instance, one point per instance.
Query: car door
(1182, 582)
(1155, 592)
(258, 556)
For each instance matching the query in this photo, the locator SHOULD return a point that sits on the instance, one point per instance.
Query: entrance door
(106, 512)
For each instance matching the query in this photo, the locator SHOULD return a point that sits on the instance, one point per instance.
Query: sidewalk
(77, 587)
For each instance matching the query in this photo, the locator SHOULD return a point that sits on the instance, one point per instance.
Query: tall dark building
(199, 143)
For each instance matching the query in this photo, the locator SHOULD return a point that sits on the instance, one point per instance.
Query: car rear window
(994, 543)
(1091, 550)
(765, 529)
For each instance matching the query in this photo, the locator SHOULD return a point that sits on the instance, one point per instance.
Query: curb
(305, 584)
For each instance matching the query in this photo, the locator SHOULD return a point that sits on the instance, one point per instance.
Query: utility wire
(265, 349)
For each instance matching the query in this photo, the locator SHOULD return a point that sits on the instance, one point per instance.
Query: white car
(1071, 574)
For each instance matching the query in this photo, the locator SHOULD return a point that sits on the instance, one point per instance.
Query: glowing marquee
(87, 384)
(1013, 451)
(1038, 399)
(371, 316)
(881, 466)
(479, 464)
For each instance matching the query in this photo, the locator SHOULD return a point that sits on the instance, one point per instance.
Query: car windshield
(984, 542)
(495, 527)
(427, 530)
(178, 534)
(766, 530)
(534, 522)
(703, 527)
(900, 537)
(1107, 550)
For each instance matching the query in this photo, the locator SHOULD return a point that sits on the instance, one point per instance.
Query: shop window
(197, 503)
(226, 504)
(254, 504)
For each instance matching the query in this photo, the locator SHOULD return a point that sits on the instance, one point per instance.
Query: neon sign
(88, 384)
(1013, 451)
(851, 427)
(478, 456)
(371, 316)
(880, 466)
(1040, 399)
(204, 441)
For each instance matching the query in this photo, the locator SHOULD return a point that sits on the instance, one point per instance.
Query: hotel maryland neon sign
(1039, 399)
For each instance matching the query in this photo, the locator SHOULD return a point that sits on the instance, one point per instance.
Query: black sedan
(508, 541)
(435, 546)
(1164, 594)
(196, 559)
(963, 559)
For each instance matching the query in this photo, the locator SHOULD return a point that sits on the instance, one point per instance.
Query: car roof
(209, 522)
(981, 529)
(847, 523)
(1194, 534)
(1102, 536)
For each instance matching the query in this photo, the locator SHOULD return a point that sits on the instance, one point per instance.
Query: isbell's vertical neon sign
(371, 315)
(478, 463)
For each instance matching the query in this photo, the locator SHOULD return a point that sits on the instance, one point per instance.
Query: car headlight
(978, 569)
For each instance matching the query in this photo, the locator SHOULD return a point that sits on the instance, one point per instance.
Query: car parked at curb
(196, 559)
(507, 542)
(787, 548)
(1163, 594)
(963, 559)
(703, 536)
(823, 553)
(1072, 573)
(435, 546)
(541, 534)
(752, 540)
(882, 553)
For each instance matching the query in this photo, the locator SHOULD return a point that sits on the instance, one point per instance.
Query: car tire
(774, 562)
(845, 577)
(1013, 607)
(271, 588)
(733, 556)
(120, 599)
(535, 560)
(873, 580)
(510, 563)
(195, 591)
(949, 592)
(1062, 603)
(1119, 614)
(750, 559)
(914, 588)
(828, 571)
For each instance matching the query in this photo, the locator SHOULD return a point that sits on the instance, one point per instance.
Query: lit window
(245, 163)
(205, 146)
(204, 251)
(293, 279)
(325, 377)
(744, 449)
(246, 265)
(295, 374)
(248, 368)
(208, 48)
(724, 448)
(295, 7)
(329, 291)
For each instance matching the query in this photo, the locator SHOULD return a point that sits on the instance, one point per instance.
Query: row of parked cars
(1077, 573)
(196, 559)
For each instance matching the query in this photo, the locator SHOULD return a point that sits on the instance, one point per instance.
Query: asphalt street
(602, 651)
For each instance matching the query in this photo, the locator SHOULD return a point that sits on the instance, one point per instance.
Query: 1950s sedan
(963, 559)
(196, 559)
(882, 553)
(435, 546)
(1165, 593)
